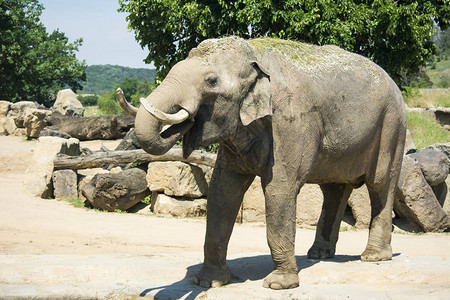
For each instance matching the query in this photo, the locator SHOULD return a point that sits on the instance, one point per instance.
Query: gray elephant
(291, 113)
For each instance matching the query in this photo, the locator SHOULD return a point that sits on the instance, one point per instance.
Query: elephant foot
(278, 280)
(320, 252)
(377, 254)
(211, 275)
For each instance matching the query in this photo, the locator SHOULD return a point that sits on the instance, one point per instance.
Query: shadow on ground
(242, 269)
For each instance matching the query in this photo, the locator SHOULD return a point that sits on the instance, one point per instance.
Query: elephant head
(204, 98)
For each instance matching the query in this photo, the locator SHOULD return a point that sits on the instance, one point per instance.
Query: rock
(409, 142)
(9, 126)
(17, 112)
(92, 128)
(116, 191)
(359, 202)
(177, 179)
(309, 204)
(65, 184)
(38, 177)
(4, 108)
(180, 207)
(85, 176)
(434, 165)
(67, 104)
(34, 121)
(50, 132)
(129, 142)
(416, 201)
(444, 148)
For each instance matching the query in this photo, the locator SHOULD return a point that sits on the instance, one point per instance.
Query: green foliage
(133, 89)
(102, 78)
(107, 104)
(147, 200)
(395, 34)
(425, 130)
(34, 64)
(89, 100)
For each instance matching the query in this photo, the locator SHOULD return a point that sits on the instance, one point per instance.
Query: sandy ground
(49, 249)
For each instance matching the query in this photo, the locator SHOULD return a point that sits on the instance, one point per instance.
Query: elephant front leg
(226, 191)
(280, 222)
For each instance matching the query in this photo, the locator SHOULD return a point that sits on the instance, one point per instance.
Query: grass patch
(92, 111)
(75, 202)
(439, 73)
(427, 98)
(425, 130)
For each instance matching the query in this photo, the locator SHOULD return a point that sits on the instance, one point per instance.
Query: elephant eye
(211, 81)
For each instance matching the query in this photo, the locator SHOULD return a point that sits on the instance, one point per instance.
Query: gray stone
(416, 201)
(38, 177)
(129, 142)
(17, 111)
(409, 142)
(50, 132)
(67, 104)
(9, 125)
(177, 179)
(180, 207)
(85, 176)
(35, 120)
(4, 108)
(309, 204)
(359, 202)
(444, 148)
(434, 165)
(116, 191)
(65, 184)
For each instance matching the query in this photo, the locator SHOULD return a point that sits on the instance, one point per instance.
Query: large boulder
(180, 207)
(17, 111)
(116, 191)
(177, 179)
(38, 177)
(67, 104)
(35, 120)
(65, 184)
(359, 202)
(416, 201)
(92, 128)
(4, 108)
(434, 165)
(309, 204)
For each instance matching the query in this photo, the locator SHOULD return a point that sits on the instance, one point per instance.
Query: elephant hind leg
(381, 185)
(335, 198)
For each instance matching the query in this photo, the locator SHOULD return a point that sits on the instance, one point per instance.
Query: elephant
(291, 113)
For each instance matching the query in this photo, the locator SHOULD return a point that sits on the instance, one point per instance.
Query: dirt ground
(50, 249)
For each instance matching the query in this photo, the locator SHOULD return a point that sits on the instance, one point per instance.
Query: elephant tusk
(167, 119)
(123, 103)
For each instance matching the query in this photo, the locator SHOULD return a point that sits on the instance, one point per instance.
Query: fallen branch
(98, 159)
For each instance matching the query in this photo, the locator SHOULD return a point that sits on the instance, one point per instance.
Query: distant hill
(102, 78)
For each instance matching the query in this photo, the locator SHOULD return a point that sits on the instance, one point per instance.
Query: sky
(106, 39)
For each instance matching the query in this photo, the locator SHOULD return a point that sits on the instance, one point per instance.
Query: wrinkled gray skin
(321, 115)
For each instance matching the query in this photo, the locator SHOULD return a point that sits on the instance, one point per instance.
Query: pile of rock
(180, 189)
(64, 119)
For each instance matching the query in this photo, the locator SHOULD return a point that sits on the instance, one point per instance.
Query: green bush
(89, 100)
(107, 104)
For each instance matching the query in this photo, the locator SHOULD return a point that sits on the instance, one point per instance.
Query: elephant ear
(257, 103)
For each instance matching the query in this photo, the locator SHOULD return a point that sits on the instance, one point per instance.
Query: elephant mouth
(177, 129)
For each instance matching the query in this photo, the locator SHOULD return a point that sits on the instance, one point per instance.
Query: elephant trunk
(148, 126)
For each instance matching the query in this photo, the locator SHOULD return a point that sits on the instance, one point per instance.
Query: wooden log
(98, 159)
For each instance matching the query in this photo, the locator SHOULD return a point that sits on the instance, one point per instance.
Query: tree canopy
(34, 64)
(394, 34)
